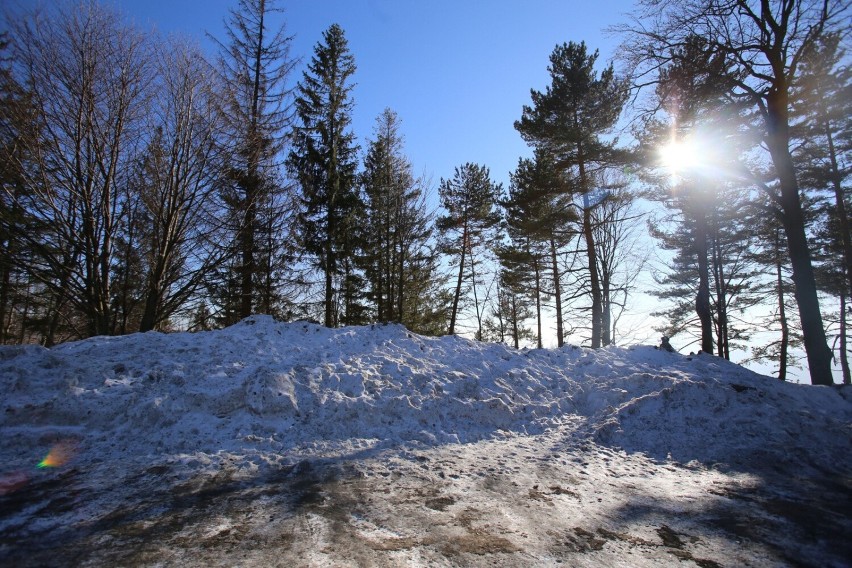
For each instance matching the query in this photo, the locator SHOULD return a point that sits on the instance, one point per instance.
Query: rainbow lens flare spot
(59, 455)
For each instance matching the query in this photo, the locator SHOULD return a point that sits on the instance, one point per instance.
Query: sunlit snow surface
(275, 444)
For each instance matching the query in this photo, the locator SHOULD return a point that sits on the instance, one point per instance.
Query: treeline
(147, 187)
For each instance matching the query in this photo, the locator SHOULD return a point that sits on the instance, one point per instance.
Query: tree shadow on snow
(151, 508)
(792, 520)
(795, 456)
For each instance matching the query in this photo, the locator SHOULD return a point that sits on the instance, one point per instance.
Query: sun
(679, 156)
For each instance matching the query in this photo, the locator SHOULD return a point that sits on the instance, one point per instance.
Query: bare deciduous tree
(174, 200)
(88, 76)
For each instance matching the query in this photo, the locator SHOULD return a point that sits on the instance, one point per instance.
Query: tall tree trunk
(247, 267)
(782, 311)
(400, 304)
(591, 250)
(839, 202)
(106, 321)
(515, 330)
(269, 292)
(702, 299)
(557, 296)
(457, 294)
(844, 356)
(594, 281)
(390, 277)
(722, 348)
(150, 313)
(348, 292)
(381, 311)
(537, 299)
(49, 340)
(5, 287)
(475, 298)
(329, 285)
(606, 310)
(252, 178)
(813, 331)
(59, 298)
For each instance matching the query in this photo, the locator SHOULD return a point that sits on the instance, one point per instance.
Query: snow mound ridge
(265, 386)
(707, 409)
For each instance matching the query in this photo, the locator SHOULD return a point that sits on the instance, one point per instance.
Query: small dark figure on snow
(665, 345)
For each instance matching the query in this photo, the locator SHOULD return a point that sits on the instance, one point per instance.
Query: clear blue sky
(456, 71)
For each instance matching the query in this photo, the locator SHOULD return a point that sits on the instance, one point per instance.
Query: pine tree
(691, 90)
(765, 43)
(770, 252)
(521, 267)
(323, 160)
(567, 120)
(821, 105)
(510, 311)
(733, 271)
(539, 217)
(469, 200)
(426, 307)
(726, 241)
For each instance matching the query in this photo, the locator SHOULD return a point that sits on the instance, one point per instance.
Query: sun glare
(679, 156)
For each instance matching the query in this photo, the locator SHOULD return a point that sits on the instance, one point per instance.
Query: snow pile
(292, 444)
(707, 409)
(271, 391)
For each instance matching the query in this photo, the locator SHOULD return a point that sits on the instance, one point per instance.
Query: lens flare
(679, 156)
(59, 455)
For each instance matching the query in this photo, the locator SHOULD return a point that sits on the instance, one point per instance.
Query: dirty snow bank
(266, 388)
(292, 444)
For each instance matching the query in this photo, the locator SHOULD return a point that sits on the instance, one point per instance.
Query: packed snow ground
(276, 444)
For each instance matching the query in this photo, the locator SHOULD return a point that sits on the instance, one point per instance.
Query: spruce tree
(323, 160)
(396, 229)
(254, 65)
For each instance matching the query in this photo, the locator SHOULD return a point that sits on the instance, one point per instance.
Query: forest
(148, 186)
